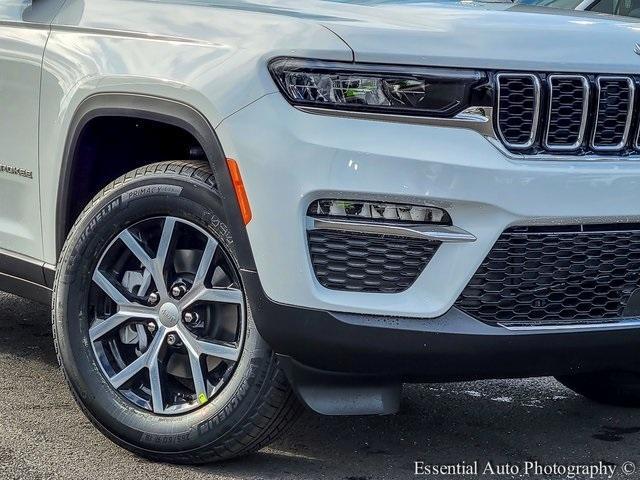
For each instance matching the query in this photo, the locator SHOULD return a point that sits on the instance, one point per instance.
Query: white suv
(239, 207)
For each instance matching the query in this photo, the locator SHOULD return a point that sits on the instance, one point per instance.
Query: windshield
(566, 4)
(629, 8)
(625, 8)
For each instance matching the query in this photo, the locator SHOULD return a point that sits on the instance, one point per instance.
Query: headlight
(433, 92)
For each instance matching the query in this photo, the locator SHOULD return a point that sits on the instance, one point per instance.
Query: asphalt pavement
(43, 434)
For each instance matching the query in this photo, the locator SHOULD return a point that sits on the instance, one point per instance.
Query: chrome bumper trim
(631, 322)
(438, 233)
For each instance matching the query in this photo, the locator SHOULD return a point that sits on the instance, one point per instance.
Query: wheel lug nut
(153, 299)
(151, 327)
(178, 291)
(172, 339)
(189, 317)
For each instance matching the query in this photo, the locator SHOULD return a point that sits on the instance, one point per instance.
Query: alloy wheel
(167, 315)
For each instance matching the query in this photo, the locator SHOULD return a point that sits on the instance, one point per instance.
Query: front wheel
(152, 327)
(610, 388)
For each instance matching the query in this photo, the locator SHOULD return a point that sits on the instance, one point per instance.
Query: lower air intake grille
(555, 276)
(367, 263)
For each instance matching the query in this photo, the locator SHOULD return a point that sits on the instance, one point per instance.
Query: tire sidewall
(124, 205)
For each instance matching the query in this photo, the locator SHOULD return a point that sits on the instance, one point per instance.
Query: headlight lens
(433, 92)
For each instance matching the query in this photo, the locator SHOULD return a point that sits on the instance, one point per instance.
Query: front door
(24, 28)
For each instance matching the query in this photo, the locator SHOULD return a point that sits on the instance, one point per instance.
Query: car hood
(469, 34)
(515, 37)
(455, 33)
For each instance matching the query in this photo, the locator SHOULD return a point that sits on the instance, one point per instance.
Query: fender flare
(162, 110)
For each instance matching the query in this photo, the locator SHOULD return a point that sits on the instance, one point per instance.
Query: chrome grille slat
(518, 111)
(568, 112)
(616, 97)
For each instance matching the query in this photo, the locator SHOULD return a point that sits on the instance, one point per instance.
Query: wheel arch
(162, 110)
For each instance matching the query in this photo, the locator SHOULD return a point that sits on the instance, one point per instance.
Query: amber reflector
(241, 193)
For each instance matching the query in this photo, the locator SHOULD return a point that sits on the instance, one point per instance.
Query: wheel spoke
(198, 280)
(109, 288)
(155, 382)
(159, 261)
(198, 379)
(146, 283)
(157, 401)
(144, 360)
(194, 353)
(219, 295)
(134, 246)
(165, 243)
(127, 373)
(147, 262)
(130, 310)
(139, 311)
(102, 327)
(218, 350)
(205, 262)
(203, 347)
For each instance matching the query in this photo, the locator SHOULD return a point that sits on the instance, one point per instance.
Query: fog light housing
(381, 211)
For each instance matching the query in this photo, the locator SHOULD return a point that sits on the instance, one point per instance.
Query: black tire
(620, 389)
(255, 405)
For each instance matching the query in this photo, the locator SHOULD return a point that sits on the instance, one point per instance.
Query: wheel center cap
(169, 314)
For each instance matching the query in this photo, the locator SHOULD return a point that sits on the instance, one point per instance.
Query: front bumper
(454, 346)
(290, 158)
(349, 364)
(348, 352)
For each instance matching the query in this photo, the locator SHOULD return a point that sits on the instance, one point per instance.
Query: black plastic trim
(342, 394)
(29, 270)
(23, 277)
(161, 110)
(26, 289)
(49, 275)
(452, 347)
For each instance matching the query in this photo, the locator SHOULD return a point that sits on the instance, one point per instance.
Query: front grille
(367, 263)
(615, 99)
(553, 275)
(560, 113)
(518, 108)
(568, 112)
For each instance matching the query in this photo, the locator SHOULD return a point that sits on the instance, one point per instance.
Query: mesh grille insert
(367, 263)
(567, 112)
(583, 114)
(518, 107)
(614, 107)
(555, 277)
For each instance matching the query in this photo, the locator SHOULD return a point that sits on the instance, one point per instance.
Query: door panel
(23, 35)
